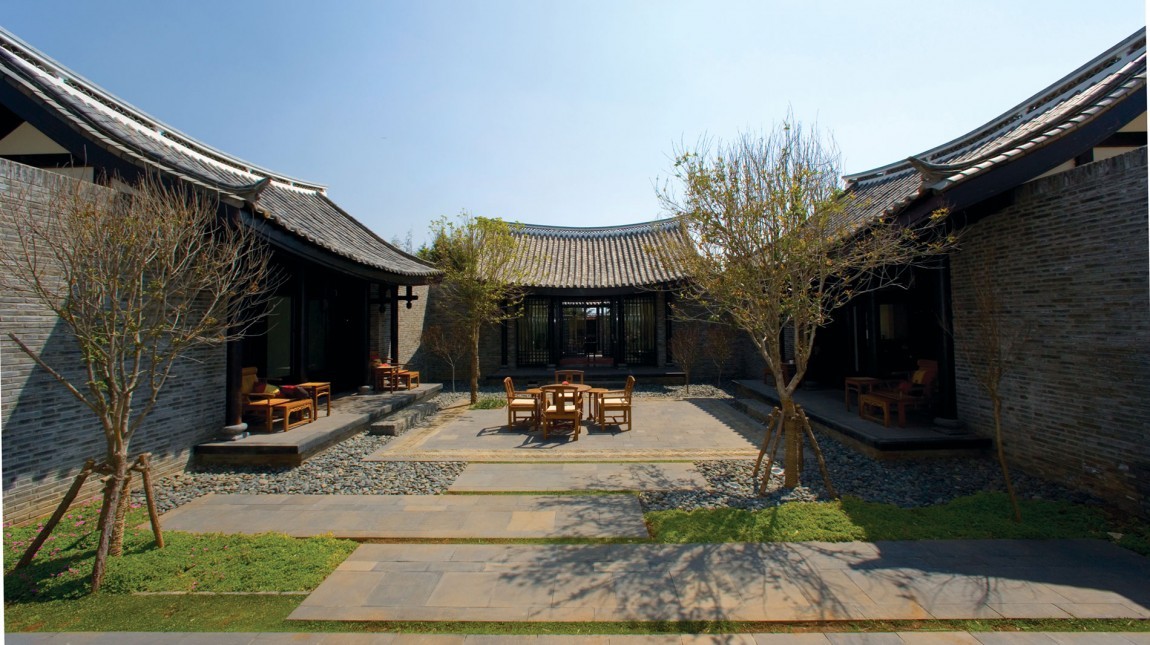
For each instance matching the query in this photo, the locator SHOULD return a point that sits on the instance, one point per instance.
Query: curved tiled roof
(302, 208)
(1044, 118)
(611, 257)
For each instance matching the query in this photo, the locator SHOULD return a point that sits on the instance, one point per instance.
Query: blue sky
(556, 113)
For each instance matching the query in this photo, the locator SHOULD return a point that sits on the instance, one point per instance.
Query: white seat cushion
(614, 402)
(523, 402)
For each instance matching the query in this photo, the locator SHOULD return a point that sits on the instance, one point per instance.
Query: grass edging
(108, 612)
(252, 583)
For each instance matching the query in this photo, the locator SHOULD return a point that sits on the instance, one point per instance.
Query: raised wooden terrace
(921, 437)
(350, 415)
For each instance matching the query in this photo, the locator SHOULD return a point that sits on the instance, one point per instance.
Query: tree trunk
(793, 440)
(475, 366)
(997, 403)
(118, 466)
(116, 546)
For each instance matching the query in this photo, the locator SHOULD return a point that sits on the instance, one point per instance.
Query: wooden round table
(594, 397)
(580, 389)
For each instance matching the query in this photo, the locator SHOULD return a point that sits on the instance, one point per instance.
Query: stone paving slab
(807, 638)
(414, 516)
(663, 430)
(487, 477)
(844, 638)
(745, 582)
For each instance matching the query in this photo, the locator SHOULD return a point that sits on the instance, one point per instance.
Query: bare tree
(406, 244)
(769, 245)
(481, 276)
(720, 346)
(138, 279)
(997, 339)
(687, 347)
(448, 341)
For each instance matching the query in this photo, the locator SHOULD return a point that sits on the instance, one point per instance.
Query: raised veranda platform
(350, 415)
(825, 407)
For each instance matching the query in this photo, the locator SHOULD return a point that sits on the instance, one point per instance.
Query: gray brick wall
(47, 434)
(413, 322)
(1070, 260)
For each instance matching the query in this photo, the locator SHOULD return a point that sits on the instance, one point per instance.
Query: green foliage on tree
(481, 274)
(769, 245)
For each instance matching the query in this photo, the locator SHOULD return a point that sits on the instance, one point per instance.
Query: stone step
(404, 419)
(350, 416)
(757, 409)
(415, 517)
(553, 477)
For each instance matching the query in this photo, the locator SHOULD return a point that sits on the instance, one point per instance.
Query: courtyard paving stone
(749, 582)
(549, 477)
(414, 516)
(663, 430)
(876, 638)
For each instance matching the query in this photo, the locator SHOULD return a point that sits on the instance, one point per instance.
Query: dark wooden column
(947, 390)
(233, 367)
(503, 349)
(365, 334)
(872, 334)
(554, 313)
(394, 350)
(300, 346)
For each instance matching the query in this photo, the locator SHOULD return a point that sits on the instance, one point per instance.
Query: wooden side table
(303, 407)
(317, 389)
(410, 378)
(595, 397)
(860, 384)
(536, 394)
(876, 401)
(267, 406)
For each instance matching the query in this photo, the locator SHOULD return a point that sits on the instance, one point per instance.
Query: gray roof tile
(611, 257)
(1045, 117)
(302, 208)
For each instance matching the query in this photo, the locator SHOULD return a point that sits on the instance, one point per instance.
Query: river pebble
(341, 470)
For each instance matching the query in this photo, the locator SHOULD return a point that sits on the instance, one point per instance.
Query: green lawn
(205, 571)
(980, 516)
(220, 563)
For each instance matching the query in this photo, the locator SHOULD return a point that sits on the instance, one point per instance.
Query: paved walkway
(748, 582)
(878, 638)
(645, 581)
(663, 430)
(521, 478)
(415, 516)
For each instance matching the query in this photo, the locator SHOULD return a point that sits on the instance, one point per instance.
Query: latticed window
(639, 320)
(533, 333)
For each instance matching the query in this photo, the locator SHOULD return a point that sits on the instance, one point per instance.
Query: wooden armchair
(266, 401)
(390, 376)
(561, 407)
(615, 405)
(918, 391)
(386, 377)
(521, 406)
(569, 376)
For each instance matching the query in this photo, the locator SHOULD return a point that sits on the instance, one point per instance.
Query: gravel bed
(905, 483)
(340, 470)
